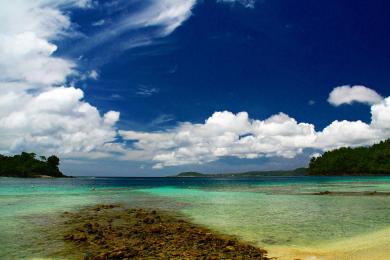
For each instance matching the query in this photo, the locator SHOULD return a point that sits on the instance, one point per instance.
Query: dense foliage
(27, 165)
(353, 161)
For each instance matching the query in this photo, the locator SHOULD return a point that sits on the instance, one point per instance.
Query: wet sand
(373, 246)
(117, 232)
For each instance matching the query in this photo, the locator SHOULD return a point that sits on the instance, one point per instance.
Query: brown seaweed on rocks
(115, 232)
(351, 193)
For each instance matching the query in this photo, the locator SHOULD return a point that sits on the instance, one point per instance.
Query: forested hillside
(353, 161)
(27, 165)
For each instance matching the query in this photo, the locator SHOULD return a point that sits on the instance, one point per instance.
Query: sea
(280, 214)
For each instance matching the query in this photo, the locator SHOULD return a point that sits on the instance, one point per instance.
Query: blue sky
(156, 87)
(275, 57)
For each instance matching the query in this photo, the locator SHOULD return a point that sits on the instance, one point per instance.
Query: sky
(156, 87)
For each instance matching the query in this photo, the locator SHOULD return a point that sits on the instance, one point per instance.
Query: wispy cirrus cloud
(99, 22)
(245, 3)
(146, 91)
(153, 19)
(162, 120)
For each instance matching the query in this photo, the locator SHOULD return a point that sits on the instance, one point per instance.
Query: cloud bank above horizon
(42, 111)
(236, 135)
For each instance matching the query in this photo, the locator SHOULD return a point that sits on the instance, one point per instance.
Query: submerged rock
(114, 233)
(352, 193)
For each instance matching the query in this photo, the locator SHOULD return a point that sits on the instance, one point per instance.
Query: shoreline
(196, 177)
(118, 232)
(373, 246)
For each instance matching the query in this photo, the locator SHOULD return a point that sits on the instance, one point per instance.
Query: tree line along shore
(370, 160)
(29, 165)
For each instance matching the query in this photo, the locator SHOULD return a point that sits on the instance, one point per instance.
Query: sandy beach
(373, 246)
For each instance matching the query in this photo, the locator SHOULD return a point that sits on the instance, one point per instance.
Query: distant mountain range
(296, 172)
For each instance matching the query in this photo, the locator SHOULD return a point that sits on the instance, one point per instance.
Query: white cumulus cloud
(349, 94)
(228, 134)
(224, 134)
(54, 121)
(37, 112)
(25, 50)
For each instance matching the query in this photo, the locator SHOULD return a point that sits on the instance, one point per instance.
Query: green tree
(27, 165)
(353, 161)
(53, 161)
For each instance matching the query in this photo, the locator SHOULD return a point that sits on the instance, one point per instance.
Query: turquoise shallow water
(266, 211)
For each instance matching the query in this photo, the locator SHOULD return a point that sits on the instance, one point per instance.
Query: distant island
(27, 165)
(372, 160)
(296, 172)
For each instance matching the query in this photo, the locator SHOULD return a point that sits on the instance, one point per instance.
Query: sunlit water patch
(283, 219)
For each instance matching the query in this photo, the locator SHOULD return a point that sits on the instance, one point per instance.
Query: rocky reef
(117, 232)
(352, 193)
